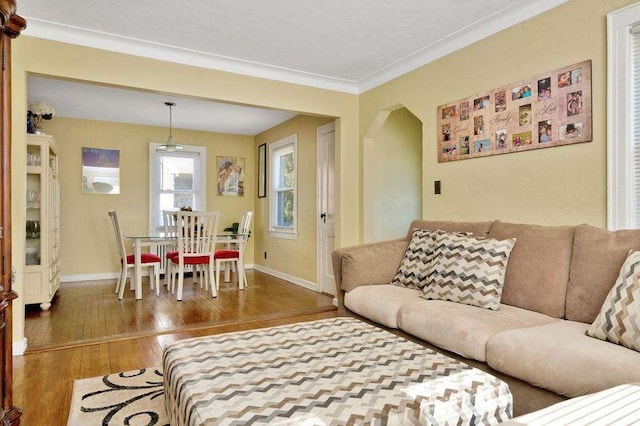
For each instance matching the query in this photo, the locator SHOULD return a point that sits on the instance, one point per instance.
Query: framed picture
(262, 170)
(546, 110)
(100, 171)
(231, 176)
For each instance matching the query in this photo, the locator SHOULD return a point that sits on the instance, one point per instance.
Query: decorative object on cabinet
(42, 237)
(170, 146)
(231, 176)
(100, 171)
(550, 109)
(37, 112)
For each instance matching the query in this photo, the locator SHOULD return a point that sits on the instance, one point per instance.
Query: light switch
(436, 187)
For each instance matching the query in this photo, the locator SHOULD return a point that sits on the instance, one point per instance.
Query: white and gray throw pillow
(468, 270)
(416, 265)
(619, 318)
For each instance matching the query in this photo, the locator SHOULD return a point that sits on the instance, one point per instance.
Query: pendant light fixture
(170, 146)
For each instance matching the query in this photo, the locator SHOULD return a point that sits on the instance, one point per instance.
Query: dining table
(158, 238)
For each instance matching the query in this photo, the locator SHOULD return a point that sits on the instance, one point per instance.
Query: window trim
(154, 178)
(620, 188)
(290, 233)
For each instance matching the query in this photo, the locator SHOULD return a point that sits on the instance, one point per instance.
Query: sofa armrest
(374, 263)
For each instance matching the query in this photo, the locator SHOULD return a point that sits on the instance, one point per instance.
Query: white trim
(115, 43)
(19, 347)
(274, 230)
(619, 149)
(519, 12)
(295, 280)
(95, 277)
(320, 132)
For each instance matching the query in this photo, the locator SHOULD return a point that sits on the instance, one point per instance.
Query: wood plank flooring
(88, 332)
(90, 312)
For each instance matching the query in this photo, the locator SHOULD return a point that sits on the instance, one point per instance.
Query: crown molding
(519, 12)
(100, 40)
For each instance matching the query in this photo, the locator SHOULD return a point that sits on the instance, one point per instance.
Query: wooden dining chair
(235, 257)
(197, 233)
(128, 261)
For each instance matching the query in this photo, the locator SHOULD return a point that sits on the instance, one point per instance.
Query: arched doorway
(392, 174)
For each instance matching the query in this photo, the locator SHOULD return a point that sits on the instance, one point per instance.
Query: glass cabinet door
(33, 226)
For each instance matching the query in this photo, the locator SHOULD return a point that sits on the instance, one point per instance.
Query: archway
(392, 174)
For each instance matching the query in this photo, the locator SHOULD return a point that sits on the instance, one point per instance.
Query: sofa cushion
(479, 229)
(416, 264)
(380, 303)
(619, 318)
(597, 257)
(463, 329)
(560, 357)
(468, 270)
(375, 263)
(538, 270)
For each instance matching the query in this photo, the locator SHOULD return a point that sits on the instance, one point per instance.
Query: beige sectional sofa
(556, 281)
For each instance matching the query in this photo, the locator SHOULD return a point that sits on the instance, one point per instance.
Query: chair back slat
(243, 228)
(119, 240)
(197, 232)
(169, 219)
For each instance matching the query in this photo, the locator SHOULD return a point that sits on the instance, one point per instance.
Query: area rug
(128, 398)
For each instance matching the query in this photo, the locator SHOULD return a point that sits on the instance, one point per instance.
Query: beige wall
(296, 258)
(84, 215)
(562, 185)
(99, 66)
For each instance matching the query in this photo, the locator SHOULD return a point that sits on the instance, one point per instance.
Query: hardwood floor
(91, 312)
(89, 332)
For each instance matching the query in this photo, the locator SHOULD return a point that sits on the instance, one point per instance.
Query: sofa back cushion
(478, 229)
(375, 263)
(598, 255)
(538, 271)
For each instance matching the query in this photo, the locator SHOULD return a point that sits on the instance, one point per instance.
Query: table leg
(138, 270)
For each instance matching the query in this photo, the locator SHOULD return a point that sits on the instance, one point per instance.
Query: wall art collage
(547, 110)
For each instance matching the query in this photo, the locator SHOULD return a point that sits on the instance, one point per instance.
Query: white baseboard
(295, 280)
(109, 276)
(19, 347)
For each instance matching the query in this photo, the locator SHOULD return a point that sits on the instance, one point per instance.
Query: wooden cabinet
(42, 246)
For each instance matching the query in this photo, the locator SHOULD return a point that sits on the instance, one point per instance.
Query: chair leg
(122, 282)
(156, 273)
(214, 285)
(180, 281)
(217, 278)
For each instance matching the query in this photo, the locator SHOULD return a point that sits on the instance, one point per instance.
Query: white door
(326, 210)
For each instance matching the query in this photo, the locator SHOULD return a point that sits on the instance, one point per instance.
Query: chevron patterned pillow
(619, 318)
(416, 264)
(468, 270)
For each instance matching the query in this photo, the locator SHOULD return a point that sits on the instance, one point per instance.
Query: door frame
(320, 263)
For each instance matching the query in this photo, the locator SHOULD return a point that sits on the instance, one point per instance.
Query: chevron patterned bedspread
(327, 372)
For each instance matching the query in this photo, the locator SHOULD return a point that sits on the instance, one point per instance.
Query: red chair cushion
(195, 260)
(227, 254)
(144, 257)
(170, 254)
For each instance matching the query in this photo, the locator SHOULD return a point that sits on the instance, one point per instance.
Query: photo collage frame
(551, 109)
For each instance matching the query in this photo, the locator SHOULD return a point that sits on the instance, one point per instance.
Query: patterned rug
(127, 398)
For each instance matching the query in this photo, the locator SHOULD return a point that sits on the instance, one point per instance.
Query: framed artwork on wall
(231, 176)
(546, 110)
(262, 170)
(100, 171)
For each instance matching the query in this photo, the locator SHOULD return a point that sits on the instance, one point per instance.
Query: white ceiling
(346, 45)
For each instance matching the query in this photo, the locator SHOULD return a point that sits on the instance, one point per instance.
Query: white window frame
(620, 153)
(200, 179)
(286, 232)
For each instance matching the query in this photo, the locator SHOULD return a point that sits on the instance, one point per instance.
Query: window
(623, 118)
(177, 179)
(283, 200)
